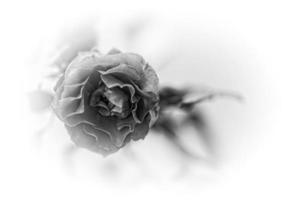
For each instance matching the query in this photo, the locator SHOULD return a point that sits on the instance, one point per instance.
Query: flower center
(110, 101)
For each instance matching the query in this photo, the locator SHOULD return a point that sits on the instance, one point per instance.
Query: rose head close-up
(105, 101)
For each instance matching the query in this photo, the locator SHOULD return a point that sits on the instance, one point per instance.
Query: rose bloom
(105, 101)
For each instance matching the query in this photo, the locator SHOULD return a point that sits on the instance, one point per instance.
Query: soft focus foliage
(40, 100)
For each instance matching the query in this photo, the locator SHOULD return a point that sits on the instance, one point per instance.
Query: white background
(248, 46)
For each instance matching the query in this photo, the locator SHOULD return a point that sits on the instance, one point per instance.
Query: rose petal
(154, 114)
(107, 124)
(86, 60)
(95, 140)
(128, 122)
(117, 97)
(121, 58)
(143, 73)
(96, 96)
(151, 81)
(142, 109)
(129, 71)
(59, 82)
(144, 76)
(103, 139)
(111, 82)
(72, 91)
(77, 76)
(141, 130)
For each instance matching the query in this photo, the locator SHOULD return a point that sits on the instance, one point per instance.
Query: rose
(105, 101)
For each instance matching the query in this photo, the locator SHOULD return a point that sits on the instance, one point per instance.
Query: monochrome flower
(105, 101)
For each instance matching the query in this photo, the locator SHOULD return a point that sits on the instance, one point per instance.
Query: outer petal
(105, 124)
(84, 135)
(143, 75)
(128, 64)
(141, 130)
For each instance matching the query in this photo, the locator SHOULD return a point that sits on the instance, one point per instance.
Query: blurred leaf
(180, 98)
(207, 96)
(40, 100)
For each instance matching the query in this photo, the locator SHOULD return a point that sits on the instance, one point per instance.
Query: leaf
(180, 98)
(207, 96)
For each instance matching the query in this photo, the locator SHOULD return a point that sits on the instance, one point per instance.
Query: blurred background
(251, 148)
